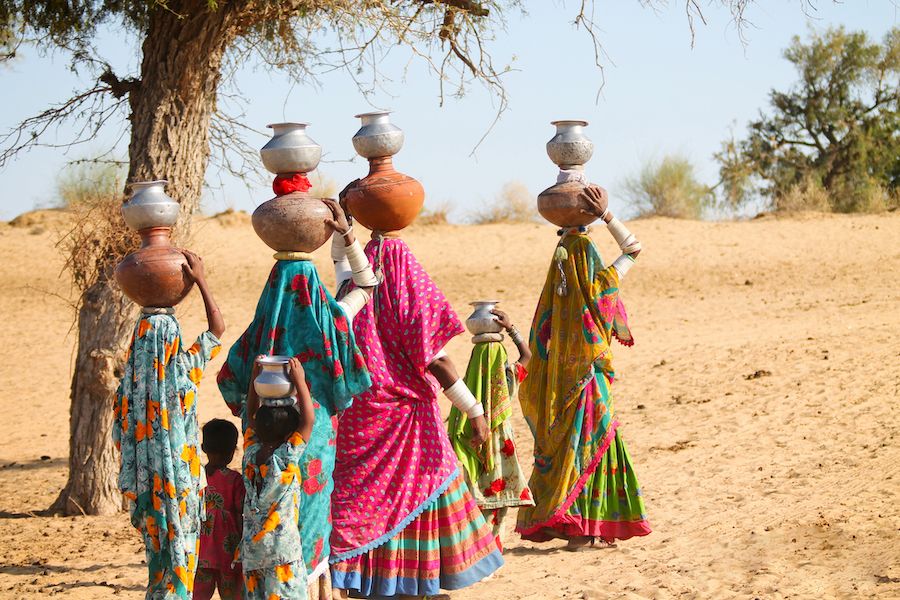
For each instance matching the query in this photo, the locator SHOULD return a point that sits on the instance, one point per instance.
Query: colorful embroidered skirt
(449, 545)
(609, 505)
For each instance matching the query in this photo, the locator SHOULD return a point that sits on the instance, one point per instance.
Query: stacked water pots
(294, 221)
(153, 275)
(570, 149)
(384, 200)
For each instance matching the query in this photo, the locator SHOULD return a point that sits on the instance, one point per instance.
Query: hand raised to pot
(597, 200)
(193, 268)
(339, 223)
(342, 196)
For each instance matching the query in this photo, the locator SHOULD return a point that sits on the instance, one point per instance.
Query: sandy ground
(758, 405)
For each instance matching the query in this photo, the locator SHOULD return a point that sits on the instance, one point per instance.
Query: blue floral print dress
(157, 432)
(271, 549)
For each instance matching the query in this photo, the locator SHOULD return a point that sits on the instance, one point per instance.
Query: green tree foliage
(837, 126)
(667, 188)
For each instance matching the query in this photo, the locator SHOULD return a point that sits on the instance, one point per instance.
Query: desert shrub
(97, 240)
(84, 183)
(323, 186)
(439, 214)
(810, 195)
(667, 188)
(807, 195)
(513, 204)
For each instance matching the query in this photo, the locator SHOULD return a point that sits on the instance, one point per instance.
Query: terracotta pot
(385, 200)
(152, 275)
(561, 205)
(294, 222)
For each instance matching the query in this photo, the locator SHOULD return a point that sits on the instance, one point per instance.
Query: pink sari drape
(393, 454)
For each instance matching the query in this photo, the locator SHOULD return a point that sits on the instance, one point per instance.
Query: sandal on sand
(594, 543)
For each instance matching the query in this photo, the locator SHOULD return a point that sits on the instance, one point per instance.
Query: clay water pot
(293, 222)
(274, 380)
(152, 275)
(562, 204)
(482, 320)
(290, 150)
(385, 200)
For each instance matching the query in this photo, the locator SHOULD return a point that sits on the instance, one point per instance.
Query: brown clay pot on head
(152, 275)
(562, 204)
(293, 222)
(385, 200)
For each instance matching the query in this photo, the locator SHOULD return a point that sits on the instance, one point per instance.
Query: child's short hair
(219, 437)
(276, 423)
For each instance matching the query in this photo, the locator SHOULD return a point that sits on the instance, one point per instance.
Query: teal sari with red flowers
(296, 316)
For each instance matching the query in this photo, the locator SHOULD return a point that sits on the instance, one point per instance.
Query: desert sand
(758, 404)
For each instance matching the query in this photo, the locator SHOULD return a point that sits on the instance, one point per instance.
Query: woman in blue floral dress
(157, 432)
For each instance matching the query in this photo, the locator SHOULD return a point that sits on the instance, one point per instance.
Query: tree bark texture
(105, 323)
(170, 116)
(176, 97)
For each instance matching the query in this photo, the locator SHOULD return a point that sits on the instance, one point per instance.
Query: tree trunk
(170, 116)
(172, 107)
(105, 323)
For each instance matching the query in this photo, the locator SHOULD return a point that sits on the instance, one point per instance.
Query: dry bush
(668, 188)
(439, 214)
(323, 186)
(513, 204)
(97, 240)
(876, 198)
(808, 195)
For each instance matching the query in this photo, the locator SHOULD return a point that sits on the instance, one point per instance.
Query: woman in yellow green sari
(584, 488)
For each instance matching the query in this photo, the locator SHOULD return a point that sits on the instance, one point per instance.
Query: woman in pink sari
(404, 522)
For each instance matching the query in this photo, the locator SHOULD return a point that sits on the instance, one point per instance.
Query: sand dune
(758, 404)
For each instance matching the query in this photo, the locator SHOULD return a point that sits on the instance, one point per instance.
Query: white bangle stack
(460, 396)
(354, 301)
(363, 276)
(626, 240)
(339, 255)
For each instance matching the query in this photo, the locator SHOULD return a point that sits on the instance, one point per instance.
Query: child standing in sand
(274, 442)
(492, 470)
(220, 535)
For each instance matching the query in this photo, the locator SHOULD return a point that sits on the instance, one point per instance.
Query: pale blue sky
(660, 96)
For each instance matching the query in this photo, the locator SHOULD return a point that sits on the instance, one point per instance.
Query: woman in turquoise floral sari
(296, 316)
(157, 432)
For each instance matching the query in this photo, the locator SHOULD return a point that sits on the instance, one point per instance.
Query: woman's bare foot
(580, 543)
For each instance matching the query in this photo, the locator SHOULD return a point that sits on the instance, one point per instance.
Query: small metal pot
(150, 206)
(274, 380)
(483, 320)
(570, 147)
(290, 150)
(377, 137)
